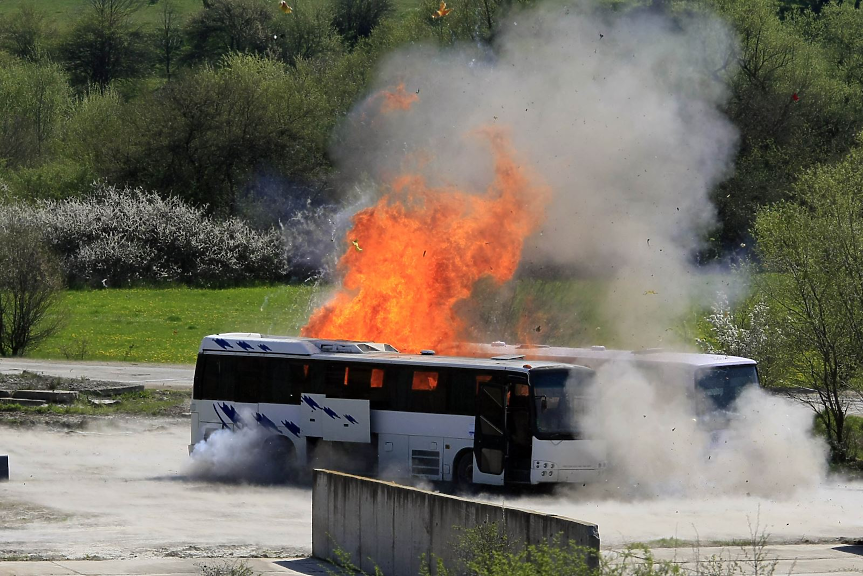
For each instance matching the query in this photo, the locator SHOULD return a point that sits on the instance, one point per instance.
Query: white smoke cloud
(657, 448)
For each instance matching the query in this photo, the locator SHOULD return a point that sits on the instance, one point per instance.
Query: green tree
(207, 133)
(105, 45)
(168, 38)
(23, 33)
(355, 19)
(225, 26)
(791, 104)
(34, 98)
(812, 253)
(30, 285)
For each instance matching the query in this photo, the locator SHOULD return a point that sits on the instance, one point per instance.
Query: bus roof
(348, 350)
(602, 354)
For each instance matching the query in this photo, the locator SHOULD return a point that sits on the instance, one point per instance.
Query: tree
(749, 331)
(169, 38)
(355, 19)
(105, 45)
(207, 133)
(30, 285)
(34, 98)
(812, 253)
(226, 26)
(792, 105)
(23, 33)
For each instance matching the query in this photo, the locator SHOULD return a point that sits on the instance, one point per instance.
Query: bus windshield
(723, 384)
(561, 397)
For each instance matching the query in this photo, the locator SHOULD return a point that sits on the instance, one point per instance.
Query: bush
(30, 282)
(355, 19)
(122, 236)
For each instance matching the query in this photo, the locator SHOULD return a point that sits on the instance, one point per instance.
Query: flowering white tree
(749, 332)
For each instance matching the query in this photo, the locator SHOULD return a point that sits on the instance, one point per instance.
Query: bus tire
(462, 471)
(280, 457)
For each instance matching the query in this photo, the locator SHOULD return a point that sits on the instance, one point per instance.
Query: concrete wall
(391, 526)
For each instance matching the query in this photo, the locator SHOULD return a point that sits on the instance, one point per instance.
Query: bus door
(519, 430)
(490, 438)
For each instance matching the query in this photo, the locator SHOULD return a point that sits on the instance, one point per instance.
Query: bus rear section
(485, 421)
(714, 382)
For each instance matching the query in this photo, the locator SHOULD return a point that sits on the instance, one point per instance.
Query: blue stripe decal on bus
(311, 402)
(331, 413)
(350, 419)
(292, 428)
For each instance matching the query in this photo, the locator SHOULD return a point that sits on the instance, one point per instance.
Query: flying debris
(442, 11)
(356, 244)
(285, 8)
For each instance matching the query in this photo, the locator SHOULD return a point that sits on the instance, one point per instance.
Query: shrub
(121, 236)
(30, 282)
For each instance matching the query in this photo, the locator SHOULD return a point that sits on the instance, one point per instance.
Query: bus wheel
(280, 457)
(462, 474)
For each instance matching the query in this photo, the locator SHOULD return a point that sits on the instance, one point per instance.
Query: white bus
(713, 381)
(489, 421)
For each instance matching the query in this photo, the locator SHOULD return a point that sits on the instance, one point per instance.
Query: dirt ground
(119, 488)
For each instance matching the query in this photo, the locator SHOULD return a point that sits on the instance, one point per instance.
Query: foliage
(226, 568)
(355, 19)
(853, 435)
(750, 332)
(792, 105)
(168, 38)
(105, 45)
(119, 236)
(33, 97)
(813, 249)
(24, 33)
(30, 281)
(208, 133)
(226, 26)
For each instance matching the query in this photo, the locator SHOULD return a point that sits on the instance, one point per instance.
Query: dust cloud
(619, 114)
(236, 456)
(659, 446)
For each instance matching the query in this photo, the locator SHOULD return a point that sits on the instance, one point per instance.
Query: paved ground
(801, 560)
(159, 566)
(151, 375)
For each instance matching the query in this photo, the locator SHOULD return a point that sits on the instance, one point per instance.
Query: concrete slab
(34, 569)
(175, 376)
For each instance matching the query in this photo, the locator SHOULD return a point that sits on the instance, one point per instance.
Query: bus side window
(277, 385)
(335, 379)
(358, 382)
(218, 381)
(428, 391)
(304, 379)
(249, 373)
(461, 396)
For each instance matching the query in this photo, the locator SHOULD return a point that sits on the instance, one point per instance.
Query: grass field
(166, 325)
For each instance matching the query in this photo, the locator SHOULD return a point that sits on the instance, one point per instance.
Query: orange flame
(424, 249)
(398, 99)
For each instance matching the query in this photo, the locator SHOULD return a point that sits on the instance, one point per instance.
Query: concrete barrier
(50, 396)
(390, 526)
